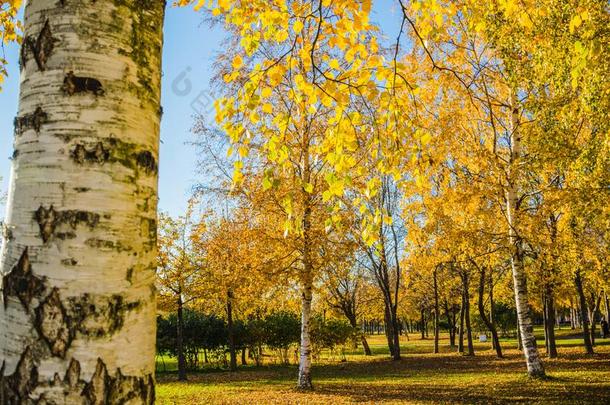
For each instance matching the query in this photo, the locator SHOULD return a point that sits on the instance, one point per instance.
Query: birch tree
(77, 320)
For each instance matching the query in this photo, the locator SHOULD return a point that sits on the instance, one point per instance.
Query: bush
(330, 334)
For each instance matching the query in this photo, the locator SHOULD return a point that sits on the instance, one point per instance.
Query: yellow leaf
(237, 62)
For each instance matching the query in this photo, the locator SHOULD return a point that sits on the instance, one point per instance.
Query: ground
(420, 377)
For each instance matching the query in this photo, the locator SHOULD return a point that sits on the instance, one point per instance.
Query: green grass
(420, 377)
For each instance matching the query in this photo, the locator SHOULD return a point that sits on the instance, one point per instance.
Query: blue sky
(189, 50)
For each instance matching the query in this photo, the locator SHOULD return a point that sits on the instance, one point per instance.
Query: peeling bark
(33, 121)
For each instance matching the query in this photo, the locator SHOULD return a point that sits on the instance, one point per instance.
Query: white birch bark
(526, 328)
(77, 319)
(304, 381)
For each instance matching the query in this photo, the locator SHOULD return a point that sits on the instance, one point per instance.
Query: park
(304, 201)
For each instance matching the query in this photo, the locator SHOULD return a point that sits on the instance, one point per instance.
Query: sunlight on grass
(421, 377)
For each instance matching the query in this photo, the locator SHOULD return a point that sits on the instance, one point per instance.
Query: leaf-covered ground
(419, 377)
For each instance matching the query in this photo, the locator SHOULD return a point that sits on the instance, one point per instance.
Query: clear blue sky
(189, 50)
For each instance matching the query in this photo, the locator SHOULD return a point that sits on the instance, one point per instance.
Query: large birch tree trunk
(526, 328)
(77, 321)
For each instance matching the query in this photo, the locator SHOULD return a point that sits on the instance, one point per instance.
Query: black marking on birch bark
(120, 389)
(107, 245)
(22, 283)
(15, 154)
(147, 161)
(97, 154)
(75, 84)
(49, 219)
(112, 150)
(52, 324)
(69, 262)
(17, 387)
(129, 275)
(41, 47)
(98, 316)
(31, 121)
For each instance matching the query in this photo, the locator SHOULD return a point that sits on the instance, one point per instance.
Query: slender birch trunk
(77, 321)
(304, 381)
(526, 328)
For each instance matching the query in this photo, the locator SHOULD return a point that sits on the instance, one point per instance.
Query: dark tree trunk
(436, 314)
(545, 323)
(180, 342)
(243, 357)
(583, 312)
(489, 323)
(231, 332)
(492, 319)
(593, 312)
(423, 324)
(392, 330)
(550, 322)
(467, 315)
(607, 307)
(451, 321)
(461, 328)
(354, 323)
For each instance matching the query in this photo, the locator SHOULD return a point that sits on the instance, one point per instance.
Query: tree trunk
(180, 342)
(423, 324)
(78, 264)
(451, 322)
(436, 313)
(395, 335)
(593, 311)
(243, 357)
(461, 328)
(607, 307)
(231, 332)
(583, 312)
(354, 323)
(467, 315)
(304, 382)
(550, 322)
(526, 328)
(489, 323)
(495, 343)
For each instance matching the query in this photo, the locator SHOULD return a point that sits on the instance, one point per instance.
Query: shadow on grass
(442, 378)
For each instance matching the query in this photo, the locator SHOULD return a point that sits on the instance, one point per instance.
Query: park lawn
(420, 377)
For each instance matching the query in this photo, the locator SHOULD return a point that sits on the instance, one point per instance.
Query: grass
(420, 377)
